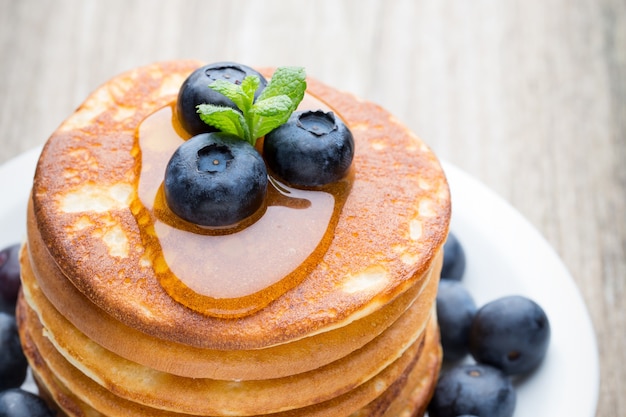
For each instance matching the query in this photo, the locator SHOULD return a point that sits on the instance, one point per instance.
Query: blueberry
(195, 90)
(9, 277)
(13, 363)
(215, 179)
(313, 148)
(477, 389)
(511, 333)
(455, 312)
(19, 403)
(453, 259)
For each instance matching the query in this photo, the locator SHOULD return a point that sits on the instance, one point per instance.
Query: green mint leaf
(270, 113)
(272, 106)
(249, 85)
(225, 119)
(289, 81)
(279, 99)
(232, 91)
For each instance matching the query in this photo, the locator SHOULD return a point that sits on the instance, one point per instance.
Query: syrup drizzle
(234, 272)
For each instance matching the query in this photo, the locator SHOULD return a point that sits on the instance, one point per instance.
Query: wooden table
(527, 96)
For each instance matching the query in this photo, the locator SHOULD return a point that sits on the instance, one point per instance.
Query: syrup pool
(234, 272)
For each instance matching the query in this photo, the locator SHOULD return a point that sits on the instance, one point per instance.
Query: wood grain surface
(528, 96)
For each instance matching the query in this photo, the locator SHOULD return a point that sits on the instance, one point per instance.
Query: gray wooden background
(528, 96)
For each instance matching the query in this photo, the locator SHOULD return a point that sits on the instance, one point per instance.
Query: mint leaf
(279, 99)
(289, 81)
(249, 85)
(270, 113)
(225, 119)
(272, 106)
(234, 92)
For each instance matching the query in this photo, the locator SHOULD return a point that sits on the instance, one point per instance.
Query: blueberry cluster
(506, 337)
(14, 401)
(215, 179)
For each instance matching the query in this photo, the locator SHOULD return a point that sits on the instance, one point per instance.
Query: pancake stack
(351, 331)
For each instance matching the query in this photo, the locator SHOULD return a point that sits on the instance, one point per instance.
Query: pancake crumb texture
(352, 333)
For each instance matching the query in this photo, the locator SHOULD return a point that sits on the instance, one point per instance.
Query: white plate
(505, 255)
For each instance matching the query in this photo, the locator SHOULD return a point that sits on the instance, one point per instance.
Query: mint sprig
(279, 99)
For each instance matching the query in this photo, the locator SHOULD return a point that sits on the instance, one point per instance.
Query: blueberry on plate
(477, 389)
(9, 278)
(13, 363)
(195, 90)
(510, 333)
(313, 148)
(453, 259)
(17, 402)
(215, 179)
(455, 312)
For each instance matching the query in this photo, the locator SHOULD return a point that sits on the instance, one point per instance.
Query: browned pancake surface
(52, 292)
(149, 386)
(369, 400)
(393, 222)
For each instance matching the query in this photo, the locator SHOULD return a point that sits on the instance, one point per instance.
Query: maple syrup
(236, 271)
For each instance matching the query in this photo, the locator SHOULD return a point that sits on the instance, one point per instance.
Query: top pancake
(394, 220)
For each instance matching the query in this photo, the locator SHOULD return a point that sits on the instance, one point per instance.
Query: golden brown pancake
(274, 362)
(216, 398)
(150, 387)
(89, 399)
(323, 305)
(393, 222)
